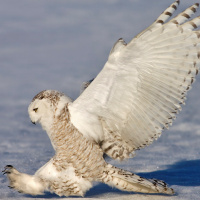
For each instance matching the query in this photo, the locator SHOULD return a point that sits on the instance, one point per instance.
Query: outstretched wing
(142, 85)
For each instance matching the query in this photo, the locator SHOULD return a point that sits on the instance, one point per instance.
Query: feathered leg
(48, 178)
(24, 183)
(128, 181)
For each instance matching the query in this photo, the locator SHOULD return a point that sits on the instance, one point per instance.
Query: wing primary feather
(156, 114)
(166, 98)
(160, 20)
(191, 25)
(141, 131)
(158, 76)
(184, 16)
(159, 101)
(167, 13)
(164, 89)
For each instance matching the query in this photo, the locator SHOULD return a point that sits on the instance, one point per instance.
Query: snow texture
(58, 44)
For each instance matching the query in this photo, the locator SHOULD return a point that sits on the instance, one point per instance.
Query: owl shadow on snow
(182, 173)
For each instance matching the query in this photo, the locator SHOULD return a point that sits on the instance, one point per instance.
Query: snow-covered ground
(56, 44)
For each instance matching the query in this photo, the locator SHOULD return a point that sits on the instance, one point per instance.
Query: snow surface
(56, 44)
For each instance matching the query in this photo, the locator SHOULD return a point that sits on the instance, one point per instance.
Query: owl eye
(35, 109)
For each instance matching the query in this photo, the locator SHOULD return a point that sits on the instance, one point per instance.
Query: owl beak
(33, 122)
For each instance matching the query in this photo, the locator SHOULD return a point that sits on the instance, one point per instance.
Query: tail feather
(128, 181)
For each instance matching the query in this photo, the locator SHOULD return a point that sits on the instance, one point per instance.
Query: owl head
(45, 106)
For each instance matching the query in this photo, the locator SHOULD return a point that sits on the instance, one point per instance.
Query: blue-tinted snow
(56, 44)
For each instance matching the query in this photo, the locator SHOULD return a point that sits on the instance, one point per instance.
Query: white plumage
(126, 107)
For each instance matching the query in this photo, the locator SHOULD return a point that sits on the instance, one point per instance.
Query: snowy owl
(125, 108)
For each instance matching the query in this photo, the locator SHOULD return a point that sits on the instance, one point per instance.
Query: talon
(9, 166)
(6, 169)
(6, 172)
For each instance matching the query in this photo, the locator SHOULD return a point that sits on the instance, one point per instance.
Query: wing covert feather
(142, 85)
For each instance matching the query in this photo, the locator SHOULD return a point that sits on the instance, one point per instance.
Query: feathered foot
(12, 174)
(23, 183)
